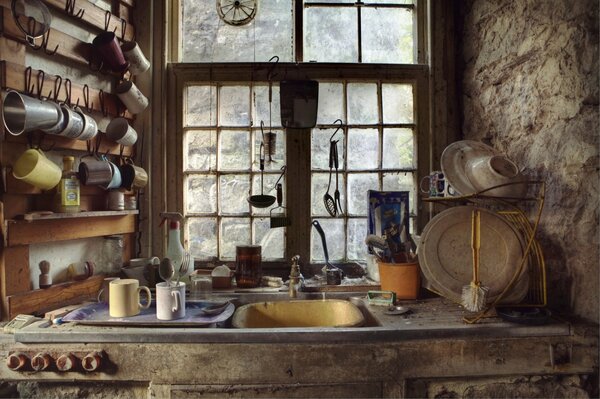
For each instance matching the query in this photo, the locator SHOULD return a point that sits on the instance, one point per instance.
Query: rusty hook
(86, 97)
(70, 9)
(57, 86)
(45, 41)
(102, 103)
(39, 143)
(123, 28)
(336, 130)
(28, 84)
(107, 18)
(41, 79)
(68, 91)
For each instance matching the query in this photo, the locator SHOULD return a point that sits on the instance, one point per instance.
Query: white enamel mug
(170, 301)
(120, 131)
(132, 97)
(138, 63)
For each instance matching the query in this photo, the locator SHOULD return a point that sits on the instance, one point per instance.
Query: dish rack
(514, 211)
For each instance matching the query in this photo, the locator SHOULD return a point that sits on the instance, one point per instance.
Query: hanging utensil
(335, 277)
(327, 198)
(262, 200)
(278, 218)
(166, 270)
(338, 204)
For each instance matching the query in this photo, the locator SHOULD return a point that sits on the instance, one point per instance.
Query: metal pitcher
(21, 113)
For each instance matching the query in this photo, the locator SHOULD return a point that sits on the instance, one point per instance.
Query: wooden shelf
(61, 227)
(51, 298)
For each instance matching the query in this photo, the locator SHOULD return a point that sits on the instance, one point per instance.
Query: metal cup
(138, 63)
(133, 176)
(107, 46)
(115, 200)
(21, 113)
(120, 131)
(132, 97)
(90, 127)
(72, 125)
(115, 181)
(94, 172)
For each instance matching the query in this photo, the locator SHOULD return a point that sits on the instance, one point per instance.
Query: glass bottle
(67, 195)
(248, 267)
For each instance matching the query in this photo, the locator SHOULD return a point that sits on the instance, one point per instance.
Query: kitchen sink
(299, 313)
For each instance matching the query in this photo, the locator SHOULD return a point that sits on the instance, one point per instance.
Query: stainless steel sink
(299, 313)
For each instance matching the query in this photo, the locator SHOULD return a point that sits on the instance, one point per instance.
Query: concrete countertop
(430, 318)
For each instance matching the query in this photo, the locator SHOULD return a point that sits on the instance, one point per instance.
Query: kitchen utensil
(248, 266)
(474, 295)
(299, 101)
(166, 271)
(445, 255)
(132, 97)
(36, 169)
(278, 218)
(21, 113)
(32, 17)
(327, 198)
(138, 63)
(185, 266)
(328, 265)
(338, 204)
(107, 46)
(401, 278)
(396, 310)
(124, 297)
(170, 301)
(215, 308)
(262, 200)
(200, 286)
(120, 131)
(529, 315)
(95, 172)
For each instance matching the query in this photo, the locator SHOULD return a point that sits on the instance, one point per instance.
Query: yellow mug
(124, 297)
(34, 168)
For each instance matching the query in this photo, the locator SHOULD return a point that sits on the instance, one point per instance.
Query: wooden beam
(38, 231)
(18, 144)
(13, 77)
(38, 301)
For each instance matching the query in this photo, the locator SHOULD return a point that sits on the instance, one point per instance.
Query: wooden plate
(446, 258)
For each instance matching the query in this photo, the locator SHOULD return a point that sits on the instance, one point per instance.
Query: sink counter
(430, 318)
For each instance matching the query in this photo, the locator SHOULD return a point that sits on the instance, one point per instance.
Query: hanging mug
(132, 97)
(35, 168)
(138, 63)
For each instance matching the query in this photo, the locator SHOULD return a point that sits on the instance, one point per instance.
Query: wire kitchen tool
(327, 198)
(166, 270)
(474, 295)
(279, 218)
(262, 200)
(338, 204)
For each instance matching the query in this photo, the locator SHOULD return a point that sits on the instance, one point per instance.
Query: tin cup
(94, 172)
(115, 200)
(120, 131)
(132, 97)
(107, 46)
(436, 185)
(138, 63)
(133, 176)
(90, 127)
(21, 113)
(72, 123)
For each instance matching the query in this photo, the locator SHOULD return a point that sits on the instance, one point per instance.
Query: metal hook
(57, 86)
(68, 91)
(282, 169)
(86, 98)
(28, 84)
(123, 26)
(45, 41)
(102, 103)
(107, 18)
(336, 130)
(70, 9)
(41, 78)
(271, 74)
(39, 143)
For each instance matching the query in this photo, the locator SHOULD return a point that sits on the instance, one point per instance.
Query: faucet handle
(295, 259)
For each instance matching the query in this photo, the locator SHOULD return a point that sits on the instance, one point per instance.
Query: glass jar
(248, 267)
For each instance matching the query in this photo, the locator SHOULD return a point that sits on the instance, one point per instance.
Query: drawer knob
(41, 361)
(17, 361)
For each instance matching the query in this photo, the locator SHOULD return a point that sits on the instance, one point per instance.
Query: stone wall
(530, 88)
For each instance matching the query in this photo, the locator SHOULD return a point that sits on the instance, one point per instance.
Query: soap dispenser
(175, 251)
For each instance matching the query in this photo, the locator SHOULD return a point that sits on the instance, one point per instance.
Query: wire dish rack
(514, 211)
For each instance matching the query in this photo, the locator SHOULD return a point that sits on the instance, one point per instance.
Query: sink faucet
(295, 277)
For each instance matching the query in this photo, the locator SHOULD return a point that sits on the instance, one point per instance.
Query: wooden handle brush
(474, 295)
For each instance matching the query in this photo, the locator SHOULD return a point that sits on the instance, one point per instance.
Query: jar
(248, 267)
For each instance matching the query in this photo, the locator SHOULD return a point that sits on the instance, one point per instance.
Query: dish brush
(474, 295)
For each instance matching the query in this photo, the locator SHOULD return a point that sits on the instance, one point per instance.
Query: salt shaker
(45, 279)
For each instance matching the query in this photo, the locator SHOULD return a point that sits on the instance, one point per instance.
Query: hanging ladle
(262, 200)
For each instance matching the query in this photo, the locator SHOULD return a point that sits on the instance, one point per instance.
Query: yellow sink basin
(308, 313)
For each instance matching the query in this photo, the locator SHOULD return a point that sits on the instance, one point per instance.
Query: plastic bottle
(175, 250)
(67, 192)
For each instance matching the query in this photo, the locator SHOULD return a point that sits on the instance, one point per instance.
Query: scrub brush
(474, 295)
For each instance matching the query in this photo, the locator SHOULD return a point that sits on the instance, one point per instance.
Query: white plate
(446, 259)
(454, 161)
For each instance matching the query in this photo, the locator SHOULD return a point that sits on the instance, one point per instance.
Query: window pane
(335, 238)
(397, 102)
(331, 103)
(357, 231)
(387, 35)
(358, 185)
(261, 105)
(320, 148)
(330, 34)
(201, 106)
(362, 103)
(201, 152)
(202, 237)
(201, 194)
(233, 190)
(363, 149)
(206, 38)
(234, 232)
(271, 240)
(319, 182)
(398, 148)
(234, 152)
(234, 106)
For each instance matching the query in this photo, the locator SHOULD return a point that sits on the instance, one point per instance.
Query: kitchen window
(222, 85)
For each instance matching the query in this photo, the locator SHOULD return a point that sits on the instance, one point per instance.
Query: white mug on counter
(170, 301)
(132, 97)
